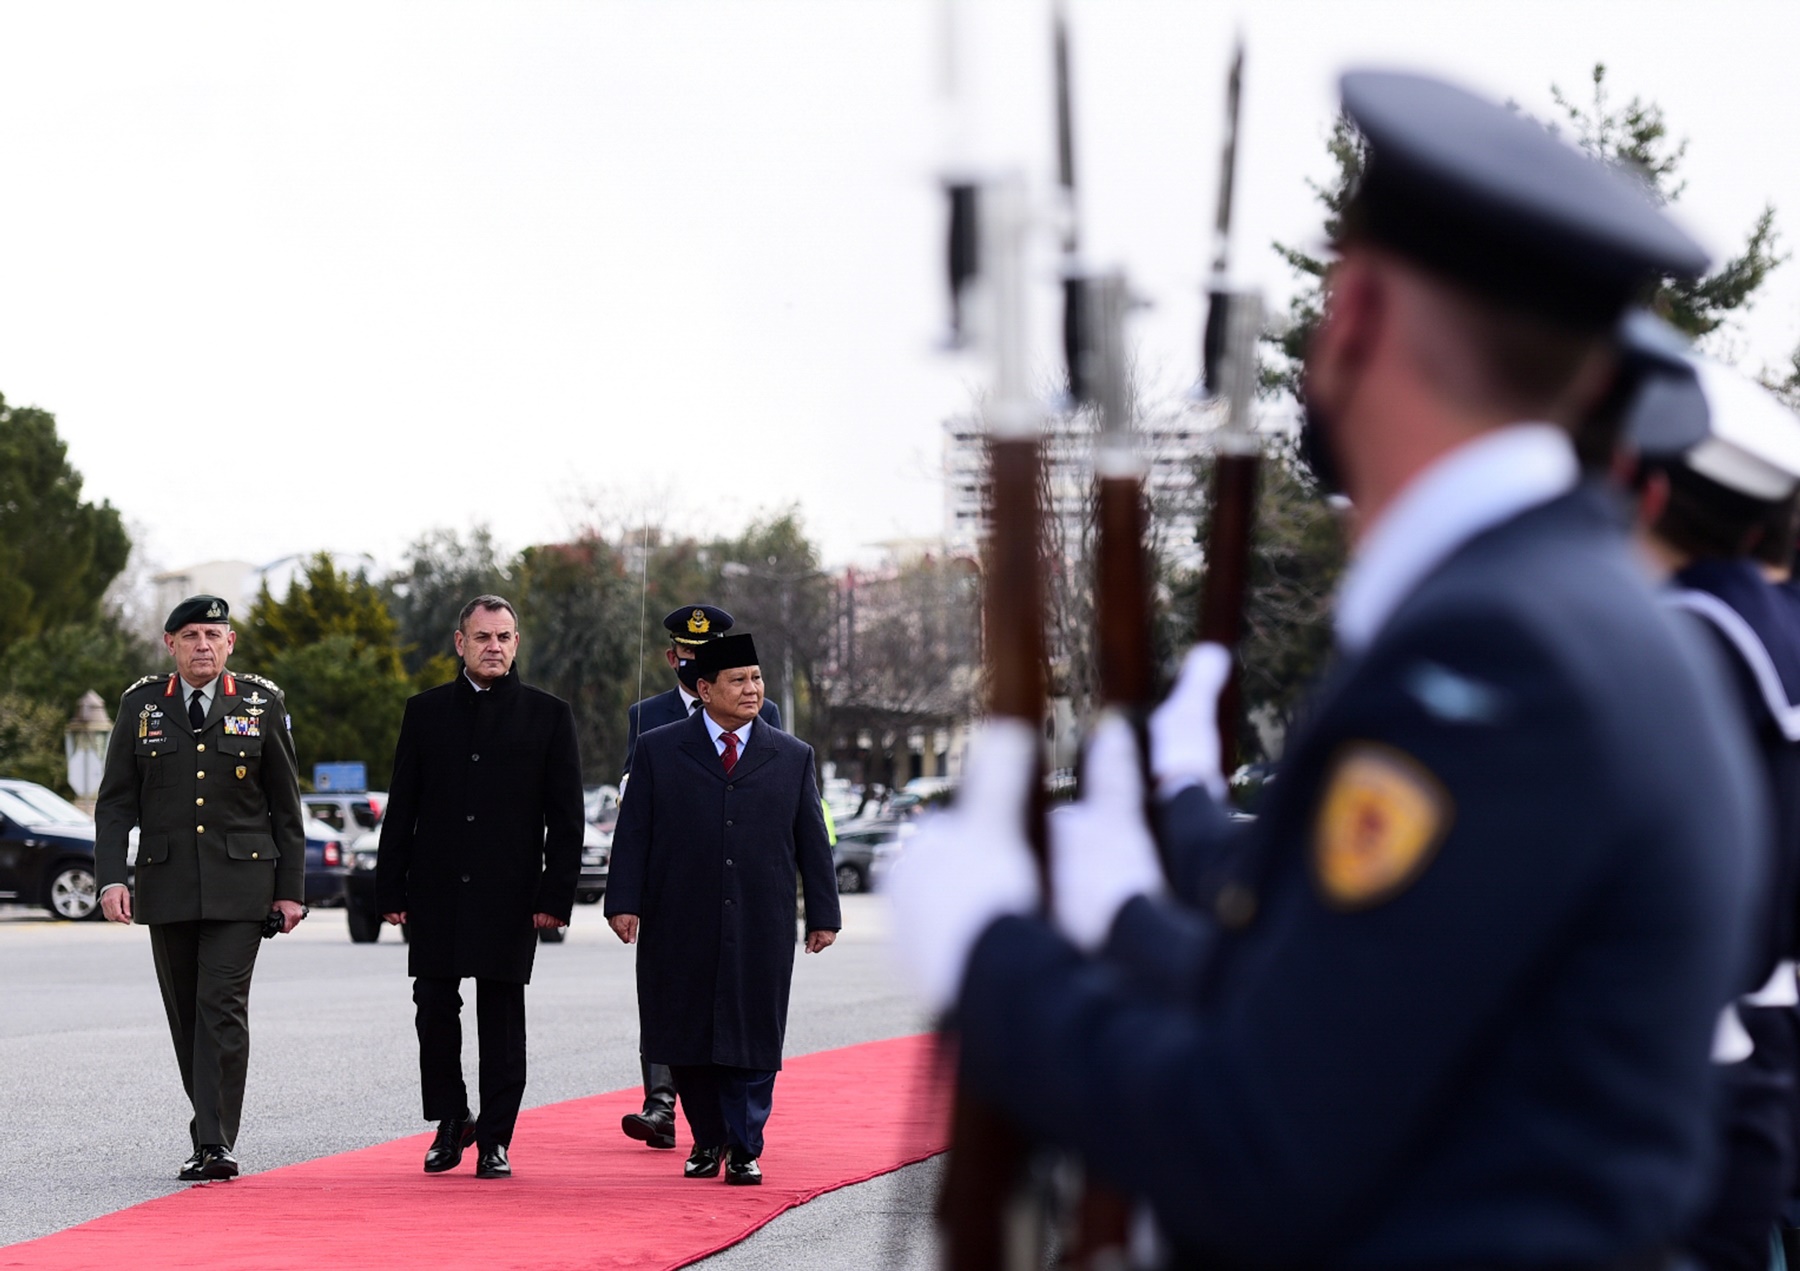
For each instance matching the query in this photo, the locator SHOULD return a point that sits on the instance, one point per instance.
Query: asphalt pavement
(94, 1118)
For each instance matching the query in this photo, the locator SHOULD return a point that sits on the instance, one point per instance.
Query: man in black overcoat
(480, 847)
(720, 817)
(689, 627)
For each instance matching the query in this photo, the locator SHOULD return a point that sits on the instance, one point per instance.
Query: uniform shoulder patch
(1379, 823)
(148, 679)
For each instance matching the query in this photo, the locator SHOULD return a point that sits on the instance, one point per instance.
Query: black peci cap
(694, 625)
(197, 609)
(1486, 197)
(723, 654)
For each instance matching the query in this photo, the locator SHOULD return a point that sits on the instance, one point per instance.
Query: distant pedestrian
(720, 821)
(202, 763)
(480, 848)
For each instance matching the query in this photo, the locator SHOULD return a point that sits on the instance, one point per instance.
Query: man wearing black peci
(721, 819)
(689, 628)
(480, 848)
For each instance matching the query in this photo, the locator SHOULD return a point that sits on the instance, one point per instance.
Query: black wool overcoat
(483, 827)
(708, 863)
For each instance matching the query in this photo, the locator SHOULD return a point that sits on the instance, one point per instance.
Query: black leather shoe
(742, 1170)
(211, 1163)
(447, 1148)
(492, 1162)
(650, 1126)
(703, 1162)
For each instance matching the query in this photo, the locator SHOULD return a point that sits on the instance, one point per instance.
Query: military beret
(1488, 198)
(697, 624)
(197, 609)
(723, 654)
(1720, 425)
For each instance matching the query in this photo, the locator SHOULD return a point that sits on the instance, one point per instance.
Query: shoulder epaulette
(269, 684)
(148, 679)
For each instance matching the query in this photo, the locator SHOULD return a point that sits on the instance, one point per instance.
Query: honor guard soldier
(201, 761)
(690, 628)
(1454, 1007)
(1718, 462)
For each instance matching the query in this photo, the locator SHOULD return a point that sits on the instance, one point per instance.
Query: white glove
(1101, 851)
(1184, 730)
(967, 866)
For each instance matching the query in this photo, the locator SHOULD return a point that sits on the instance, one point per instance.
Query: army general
(201, 761)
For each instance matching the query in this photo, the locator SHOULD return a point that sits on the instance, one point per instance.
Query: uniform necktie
(693, 706)
(196, 713)
(730, 755)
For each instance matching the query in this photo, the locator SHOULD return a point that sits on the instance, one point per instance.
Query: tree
(444, 571)
(31, 741)
(578, 621)
(769, 579)
(333, 648)
(1634, 135)
(57, 667)
(57, 553)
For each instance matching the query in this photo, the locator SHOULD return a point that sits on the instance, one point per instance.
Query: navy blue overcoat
(708, 862)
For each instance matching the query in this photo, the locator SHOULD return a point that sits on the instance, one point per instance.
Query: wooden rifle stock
(985, 1217)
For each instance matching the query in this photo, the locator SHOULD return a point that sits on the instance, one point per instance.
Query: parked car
(858, 845)
(359, 890)
(328, 864)
(596, 863)
(46, 851)
(352, 812)
(601, 803)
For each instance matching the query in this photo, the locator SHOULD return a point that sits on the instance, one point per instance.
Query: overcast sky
(330, 275)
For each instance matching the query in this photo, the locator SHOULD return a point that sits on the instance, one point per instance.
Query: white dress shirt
(716, 730)
(1475, 487)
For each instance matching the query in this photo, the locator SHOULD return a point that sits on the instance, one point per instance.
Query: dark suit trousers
(500, 1032)
(203, 969)
(725, 1107)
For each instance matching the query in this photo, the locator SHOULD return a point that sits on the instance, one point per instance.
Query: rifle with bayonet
(1228, 375)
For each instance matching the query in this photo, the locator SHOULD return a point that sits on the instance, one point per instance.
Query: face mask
(1315, 449)
(688, 672)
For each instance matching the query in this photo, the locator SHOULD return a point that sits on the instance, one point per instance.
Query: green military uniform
(222, 839)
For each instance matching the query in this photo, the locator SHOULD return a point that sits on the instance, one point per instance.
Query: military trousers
(203, 969)
(500, 1034)
(725, 1106)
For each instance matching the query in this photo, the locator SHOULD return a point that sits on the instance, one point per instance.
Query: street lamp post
(84, 743)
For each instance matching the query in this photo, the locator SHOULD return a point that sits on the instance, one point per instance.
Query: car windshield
(34, 805)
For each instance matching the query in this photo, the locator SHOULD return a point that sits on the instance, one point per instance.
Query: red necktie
(731, 745)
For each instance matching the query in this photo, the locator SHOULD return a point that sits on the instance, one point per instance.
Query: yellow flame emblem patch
(1382, 818)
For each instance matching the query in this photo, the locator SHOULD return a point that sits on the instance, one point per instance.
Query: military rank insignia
(1381, 819)
(243, 726)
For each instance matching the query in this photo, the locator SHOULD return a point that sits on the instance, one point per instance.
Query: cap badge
(699, 623)
(215, 610)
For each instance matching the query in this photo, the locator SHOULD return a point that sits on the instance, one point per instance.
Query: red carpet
(583, 1198)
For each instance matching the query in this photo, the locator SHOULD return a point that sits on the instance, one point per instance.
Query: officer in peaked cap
(1449, 1000)
(202, 763)
(690, 628)
(1718, 456)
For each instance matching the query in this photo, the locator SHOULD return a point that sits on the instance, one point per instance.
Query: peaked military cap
(694, 625)
(1719, 425)
(723, 654)
(197, 609)
(1488, 198)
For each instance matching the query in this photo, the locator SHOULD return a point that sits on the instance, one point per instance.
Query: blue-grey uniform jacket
(1455, 1007)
